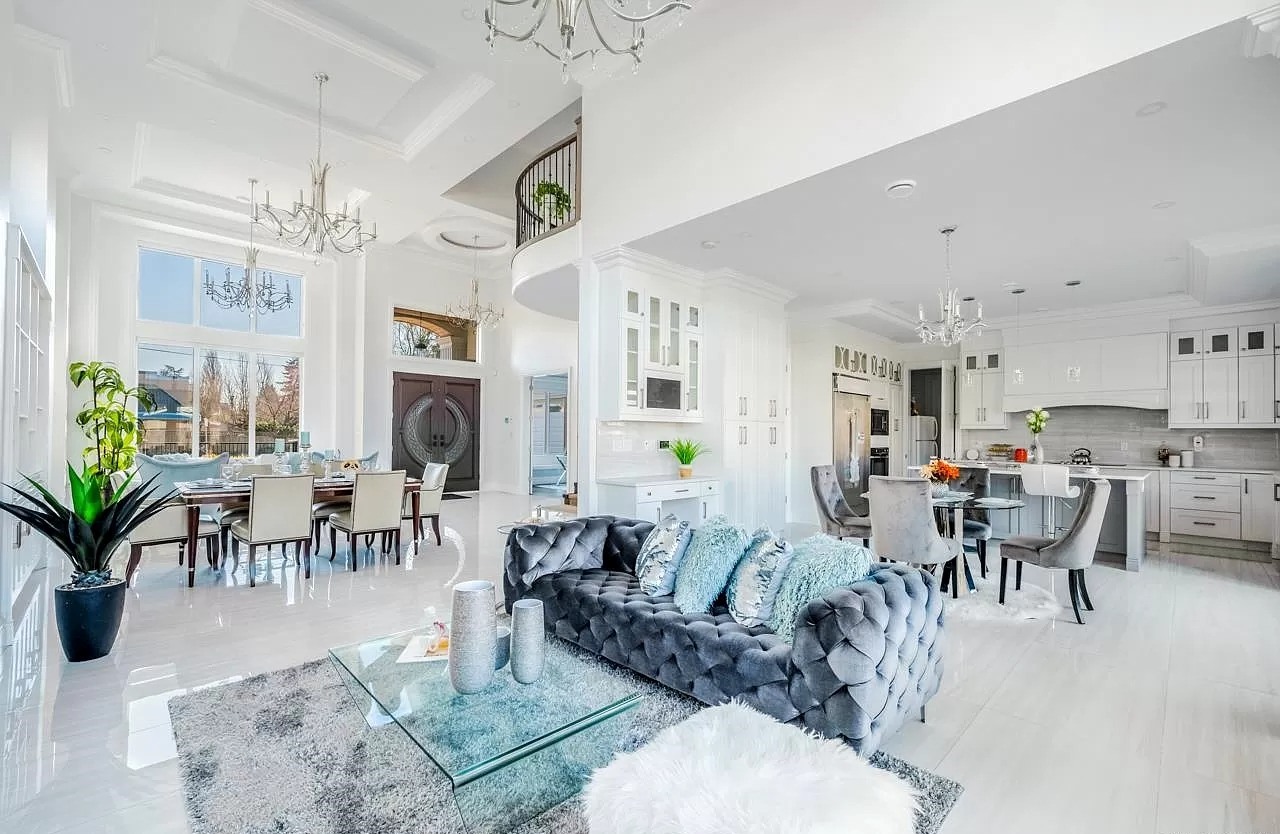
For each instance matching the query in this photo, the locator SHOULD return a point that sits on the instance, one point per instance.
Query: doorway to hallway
(548, 434)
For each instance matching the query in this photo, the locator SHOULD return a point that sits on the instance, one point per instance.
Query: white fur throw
(732, 770)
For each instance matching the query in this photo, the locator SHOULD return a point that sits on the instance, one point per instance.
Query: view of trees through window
(432, 336)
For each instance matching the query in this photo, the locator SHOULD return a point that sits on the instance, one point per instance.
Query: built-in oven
(878, 462)
(879, 422)
(662, 393)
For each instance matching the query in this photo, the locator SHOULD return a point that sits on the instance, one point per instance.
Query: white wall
(757, 94)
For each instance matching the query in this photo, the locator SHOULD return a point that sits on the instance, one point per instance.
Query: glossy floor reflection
(1158, 717)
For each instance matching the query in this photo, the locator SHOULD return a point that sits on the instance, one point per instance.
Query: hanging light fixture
(567, 18)
(1018, 376)
(254, 291)
(472, 311)
(951, 326)
(311, 225)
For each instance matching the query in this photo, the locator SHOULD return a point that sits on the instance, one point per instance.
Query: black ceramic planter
(88, 619)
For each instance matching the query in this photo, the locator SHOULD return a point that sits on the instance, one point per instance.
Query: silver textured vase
(472, 636)
(528, 635)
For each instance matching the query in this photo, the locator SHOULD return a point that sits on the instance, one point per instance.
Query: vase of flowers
(939, 473)
(1037, 419)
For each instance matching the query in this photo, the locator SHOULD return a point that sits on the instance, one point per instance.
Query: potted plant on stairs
(685, 452)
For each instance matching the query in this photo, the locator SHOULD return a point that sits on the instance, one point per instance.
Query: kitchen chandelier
(472, 311)
(567, 14)
(951, 326)
(1018, 376)
(254, 291)
(311, 225)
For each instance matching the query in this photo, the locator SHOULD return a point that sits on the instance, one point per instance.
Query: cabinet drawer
(1205, 496)
(1203, 523)
(1202, 478)
(674, 492)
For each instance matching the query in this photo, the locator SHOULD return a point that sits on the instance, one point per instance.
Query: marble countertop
(1007, 467)
(653, 480)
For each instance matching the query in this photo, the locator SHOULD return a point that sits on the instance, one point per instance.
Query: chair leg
(1017, 586)
(1075, 595)
(253, 554)
(435, 526)
(135, 558)
(982, 557)
(182, 553)
(368, 541)
(397, 545)
(235, 553)
(946, 577)
(351, 545)
(306, 557)
(316, 529)
(957, 570)
(1004, 576)
(1084, 590)
(225, 535)
(922, 718)
(333, 542)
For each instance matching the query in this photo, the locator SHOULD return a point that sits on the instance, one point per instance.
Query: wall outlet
(1197, 443)
(664, 444)
(648, 445)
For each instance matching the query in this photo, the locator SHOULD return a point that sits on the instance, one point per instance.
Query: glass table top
(471, 736)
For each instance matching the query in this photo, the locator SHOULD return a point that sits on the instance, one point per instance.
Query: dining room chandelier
(310, 225)
(568, 22)
(472, 311)
(951, 326)
(252, 290)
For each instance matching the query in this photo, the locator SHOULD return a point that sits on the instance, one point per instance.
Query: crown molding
(463, 97)
(623, 257)
(335, 33)
(1262, 33)
(203, 200)
(731, 278)
(857, 307)
(59, 51)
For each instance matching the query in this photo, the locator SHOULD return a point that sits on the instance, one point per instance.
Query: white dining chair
(169, 526)
(375, 508)
(279, 513)
(430, 496)
(239, 511)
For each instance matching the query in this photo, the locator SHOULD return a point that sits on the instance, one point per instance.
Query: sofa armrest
(866, 656)
(536, 550)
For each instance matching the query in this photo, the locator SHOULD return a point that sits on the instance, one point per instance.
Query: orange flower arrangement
(940, 471)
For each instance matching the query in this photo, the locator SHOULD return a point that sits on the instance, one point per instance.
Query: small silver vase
(528, 635)
(472, 636)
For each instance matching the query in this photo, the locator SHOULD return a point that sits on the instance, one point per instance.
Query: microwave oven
(663, 394)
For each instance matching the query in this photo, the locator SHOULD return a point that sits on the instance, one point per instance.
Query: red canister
(1020, 455)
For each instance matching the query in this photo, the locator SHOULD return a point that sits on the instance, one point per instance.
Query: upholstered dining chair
(1073, 552)
(279, 513)
(903, 526)
(239, 511)
(430, 496)
(169, 526)
(834, 513)
(375, 508)
(977, 525)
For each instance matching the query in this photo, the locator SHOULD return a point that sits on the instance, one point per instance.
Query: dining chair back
(902, 522)
(834, 513)
(376, 501)
(169, 526)
(280, 508)
(249, 470)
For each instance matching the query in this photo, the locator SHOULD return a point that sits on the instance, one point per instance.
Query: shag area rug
(1033, 602)
(289, 752)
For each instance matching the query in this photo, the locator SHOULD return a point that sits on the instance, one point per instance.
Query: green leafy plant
(97, 522)
(552, 193)
(1036, 420)
(686, 451)
(109, 421)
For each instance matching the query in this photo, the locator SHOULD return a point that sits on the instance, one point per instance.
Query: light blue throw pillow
(758, 577)
(713, 553)
(660, 556)
(821, 563)
(170, 472)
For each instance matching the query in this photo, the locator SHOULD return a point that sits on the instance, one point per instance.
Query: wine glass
(236, 468)
(228, 471)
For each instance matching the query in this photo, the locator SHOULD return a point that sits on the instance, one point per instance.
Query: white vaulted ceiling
(177, 103)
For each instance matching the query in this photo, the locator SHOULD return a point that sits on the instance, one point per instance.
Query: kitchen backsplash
(621, 448)
(1103, 429)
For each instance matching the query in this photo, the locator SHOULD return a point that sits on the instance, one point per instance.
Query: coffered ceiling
(177, 103)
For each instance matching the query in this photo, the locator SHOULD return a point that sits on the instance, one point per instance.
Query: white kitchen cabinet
(981, 396)
(1186, 345)
(755, 494)
(1256, 339)
(1260, 504)
(632, 303)
(632, 337)
(1222, 389)
(694, 373)
(1258, 389)
(653, 497)
(1186, 391)
(656, 326)
(1221, 343)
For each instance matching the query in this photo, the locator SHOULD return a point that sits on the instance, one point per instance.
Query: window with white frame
(226, 385)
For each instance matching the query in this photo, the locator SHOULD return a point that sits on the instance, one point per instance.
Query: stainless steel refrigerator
(924, 440)
(851, 423)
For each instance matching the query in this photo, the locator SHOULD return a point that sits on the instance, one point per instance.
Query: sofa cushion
(821, 563)
(535, 550)
(713, 553)
(758, 577)
(660, 556)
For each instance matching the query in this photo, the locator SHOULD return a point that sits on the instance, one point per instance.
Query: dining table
(221, 491)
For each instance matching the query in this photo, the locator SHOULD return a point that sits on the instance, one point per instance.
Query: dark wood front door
(437, 420)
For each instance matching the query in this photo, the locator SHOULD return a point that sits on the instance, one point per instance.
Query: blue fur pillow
(758, 578)
(821, 563)
(708, 563)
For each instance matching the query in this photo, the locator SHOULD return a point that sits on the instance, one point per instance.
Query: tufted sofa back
(622, 545)
(536, 550)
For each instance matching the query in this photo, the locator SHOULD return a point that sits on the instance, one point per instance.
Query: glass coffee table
(509, 752)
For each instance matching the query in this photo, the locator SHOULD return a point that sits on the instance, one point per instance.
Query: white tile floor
(1161, 716)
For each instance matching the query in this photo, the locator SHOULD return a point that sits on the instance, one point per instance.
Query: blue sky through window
(165, 286)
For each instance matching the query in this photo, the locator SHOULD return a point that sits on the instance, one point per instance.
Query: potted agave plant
(685, 452)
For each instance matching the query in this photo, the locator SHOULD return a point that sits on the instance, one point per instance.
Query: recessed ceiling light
(103, 149)
(1018, 290)
(969, 298)
(1151, 108)
(1008, 285)
(1173, 258)
(1164, 204)
(710, 244)
(1073, 283)
(900, 189)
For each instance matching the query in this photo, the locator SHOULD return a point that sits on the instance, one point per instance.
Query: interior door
(436, 419)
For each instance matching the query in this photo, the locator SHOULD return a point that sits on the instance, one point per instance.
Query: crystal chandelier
(472, 311)
(567, 15)
(311, 225)
(254, 291)
(951, 327)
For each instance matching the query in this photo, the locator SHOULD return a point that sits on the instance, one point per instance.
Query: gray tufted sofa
(864, 658)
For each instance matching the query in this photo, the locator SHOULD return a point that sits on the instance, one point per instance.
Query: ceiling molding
(443, 115)
(857, 307)
(428, 239)
(621, 256)
(1262, 33)
(59, 50)
(141, 144)
(335, 33)
(204, 200)
(1238, 242)
(742, 281)
(1198, 275)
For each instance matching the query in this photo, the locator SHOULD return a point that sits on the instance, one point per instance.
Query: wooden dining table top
(217, 490)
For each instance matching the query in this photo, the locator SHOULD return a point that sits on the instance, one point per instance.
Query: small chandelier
(1019, 376)
(567, 17)
(472, 312)
(311, 225)
(254, 291)
(951, 326)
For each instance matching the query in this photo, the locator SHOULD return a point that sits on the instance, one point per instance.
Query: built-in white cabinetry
(980, 400)
(1204, 391)
(755, 464)
(1130, 371)
(652, 498)
(1256, 339)
(1258, 396)
(1260, 508)
(1223, 377)
(660, 337)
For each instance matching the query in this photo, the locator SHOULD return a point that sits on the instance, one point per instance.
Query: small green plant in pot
(685, 452)
(553, 200)
(89, 532)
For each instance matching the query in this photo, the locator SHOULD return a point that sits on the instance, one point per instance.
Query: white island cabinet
(654, 497)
